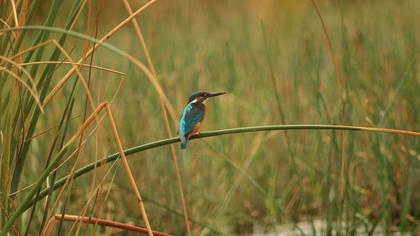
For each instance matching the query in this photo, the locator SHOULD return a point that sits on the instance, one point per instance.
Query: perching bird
(193, 115)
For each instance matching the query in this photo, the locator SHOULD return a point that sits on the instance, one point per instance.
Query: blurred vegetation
(273, 60)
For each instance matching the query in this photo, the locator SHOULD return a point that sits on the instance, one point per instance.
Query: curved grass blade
(86, 169)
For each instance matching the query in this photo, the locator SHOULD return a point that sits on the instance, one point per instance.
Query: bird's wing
(191, 116)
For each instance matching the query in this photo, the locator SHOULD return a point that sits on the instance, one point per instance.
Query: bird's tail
(184, 141)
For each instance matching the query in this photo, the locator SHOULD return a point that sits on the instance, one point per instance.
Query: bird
(192, 116)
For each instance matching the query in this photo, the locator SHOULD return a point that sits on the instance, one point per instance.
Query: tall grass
(282, 63)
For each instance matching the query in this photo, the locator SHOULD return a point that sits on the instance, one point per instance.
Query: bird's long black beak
(216, 94)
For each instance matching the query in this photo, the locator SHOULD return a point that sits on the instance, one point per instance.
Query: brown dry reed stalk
(97, 221)
(69, 63)
(165, 118)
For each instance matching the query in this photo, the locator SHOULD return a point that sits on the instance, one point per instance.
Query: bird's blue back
(191, 116)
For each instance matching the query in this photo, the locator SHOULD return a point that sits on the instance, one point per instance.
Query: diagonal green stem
(86, 169)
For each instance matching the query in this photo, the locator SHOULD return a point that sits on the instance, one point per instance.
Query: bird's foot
(195, 134)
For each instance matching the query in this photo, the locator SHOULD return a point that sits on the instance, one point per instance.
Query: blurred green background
(273, 60)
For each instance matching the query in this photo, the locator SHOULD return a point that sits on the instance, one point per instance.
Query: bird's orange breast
(196, 129)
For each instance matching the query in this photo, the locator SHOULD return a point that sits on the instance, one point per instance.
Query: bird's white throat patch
(196, 100)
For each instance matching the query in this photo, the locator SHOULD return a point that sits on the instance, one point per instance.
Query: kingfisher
(192, 116)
